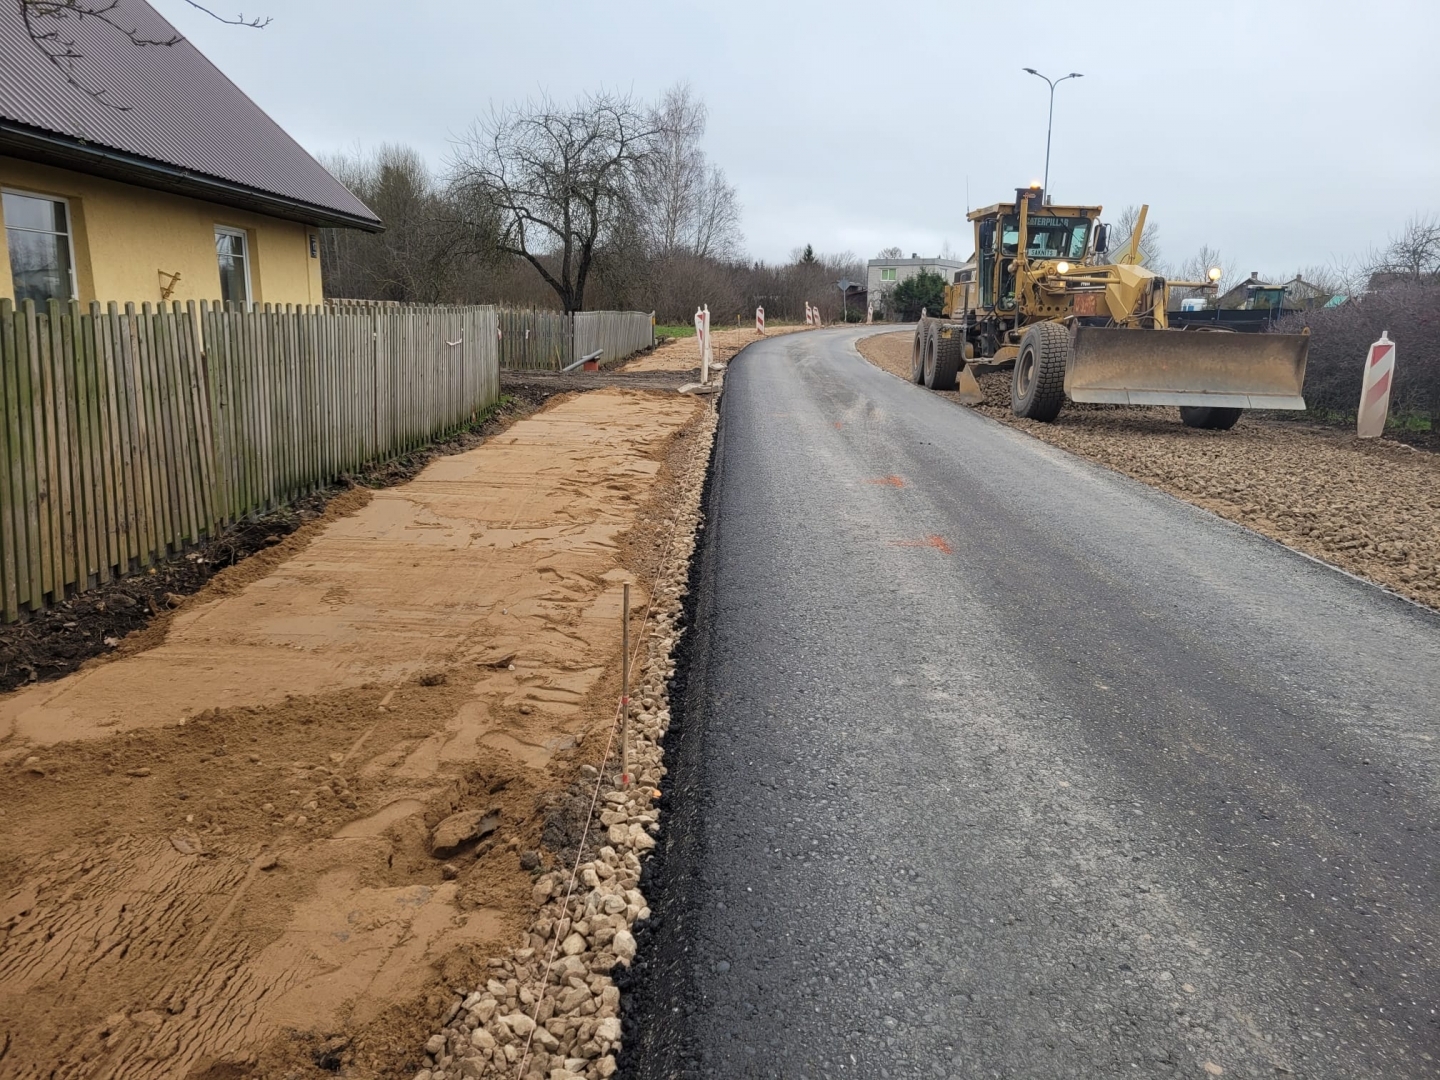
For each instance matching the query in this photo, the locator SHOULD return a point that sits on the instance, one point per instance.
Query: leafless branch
(47, 24)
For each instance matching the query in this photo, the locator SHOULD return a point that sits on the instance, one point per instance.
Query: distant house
(1387, 279)
(882, 275)
(1297, 294)
(155, 178)
(1251, 294)
(1302, 295)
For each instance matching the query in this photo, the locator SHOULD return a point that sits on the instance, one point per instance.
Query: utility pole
(1045, 186)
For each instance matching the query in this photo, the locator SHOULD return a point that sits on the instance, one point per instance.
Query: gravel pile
(1371, 507)
(550, 1009)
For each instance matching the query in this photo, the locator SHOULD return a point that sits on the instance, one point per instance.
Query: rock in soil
(461, 828)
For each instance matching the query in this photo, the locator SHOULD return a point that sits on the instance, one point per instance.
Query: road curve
(990, 762)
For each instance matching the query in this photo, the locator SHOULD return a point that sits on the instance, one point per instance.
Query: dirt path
(682, 354)
(1372, 508)
(217, 854)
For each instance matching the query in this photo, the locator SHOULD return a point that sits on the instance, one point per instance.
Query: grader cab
(1044, 291)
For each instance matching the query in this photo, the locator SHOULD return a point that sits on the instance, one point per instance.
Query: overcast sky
(1284, 134)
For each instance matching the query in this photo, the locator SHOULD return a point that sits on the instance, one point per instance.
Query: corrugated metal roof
(176, 108)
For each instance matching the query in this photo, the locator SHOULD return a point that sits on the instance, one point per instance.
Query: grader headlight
(1062, 268)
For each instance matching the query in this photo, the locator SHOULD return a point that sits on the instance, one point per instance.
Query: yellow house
(132, 169)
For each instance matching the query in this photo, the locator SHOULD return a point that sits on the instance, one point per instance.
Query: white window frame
(69, 230)
(891, 270)
(230, 230)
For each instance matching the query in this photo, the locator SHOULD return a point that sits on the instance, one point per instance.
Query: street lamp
(1045, 188)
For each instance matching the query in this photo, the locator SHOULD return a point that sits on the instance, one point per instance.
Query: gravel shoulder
(1369, 507)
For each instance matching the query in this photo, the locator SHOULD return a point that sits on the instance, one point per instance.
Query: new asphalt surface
(990, 762)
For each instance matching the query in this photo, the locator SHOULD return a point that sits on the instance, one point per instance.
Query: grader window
(1057, 237)
(1009, 236)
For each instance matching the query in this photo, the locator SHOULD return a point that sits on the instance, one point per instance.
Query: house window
(887, 273)
(37, 232)
(232, 249)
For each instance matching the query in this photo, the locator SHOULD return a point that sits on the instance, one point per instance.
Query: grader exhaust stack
(1115, 366)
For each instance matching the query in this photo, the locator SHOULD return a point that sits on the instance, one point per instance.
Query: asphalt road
(1024, 769)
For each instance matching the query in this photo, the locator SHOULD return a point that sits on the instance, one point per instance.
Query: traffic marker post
(1375, 388)
(760, 320)
(702, 335)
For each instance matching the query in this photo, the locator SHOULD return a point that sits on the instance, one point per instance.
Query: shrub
(925, 290)
(1340, 336)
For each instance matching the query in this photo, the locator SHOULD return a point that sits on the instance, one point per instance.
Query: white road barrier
(702, 336)
(759, 320)
(1375, 389)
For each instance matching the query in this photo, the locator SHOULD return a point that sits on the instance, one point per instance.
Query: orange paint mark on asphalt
(892, 481)
(838, 424)
(932, 541)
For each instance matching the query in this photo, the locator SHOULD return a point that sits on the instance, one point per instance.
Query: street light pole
(1045, 187)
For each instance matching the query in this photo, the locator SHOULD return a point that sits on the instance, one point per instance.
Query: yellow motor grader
(1042, 291)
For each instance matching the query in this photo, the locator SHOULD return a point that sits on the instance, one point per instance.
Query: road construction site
(1133, 790)
(1371, 507)
(993, 762)
(270, 832)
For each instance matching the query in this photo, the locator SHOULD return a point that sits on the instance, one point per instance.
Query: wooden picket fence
(549, 340)
(130, 435)
(617, 334)
(534, 340)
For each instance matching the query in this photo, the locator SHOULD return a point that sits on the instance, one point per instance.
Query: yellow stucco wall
(125, 235)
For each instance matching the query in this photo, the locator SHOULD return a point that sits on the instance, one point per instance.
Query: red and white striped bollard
(1375, 389)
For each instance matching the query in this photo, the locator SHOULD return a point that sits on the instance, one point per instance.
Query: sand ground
(215, 845)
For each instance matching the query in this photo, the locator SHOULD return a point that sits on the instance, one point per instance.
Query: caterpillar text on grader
(1043, 294)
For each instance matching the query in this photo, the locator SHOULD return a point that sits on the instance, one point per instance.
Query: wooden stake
(625, 777)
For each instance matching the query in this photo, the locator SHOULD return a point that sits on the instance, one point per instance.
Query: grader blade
(1185, 367)
(968, 388)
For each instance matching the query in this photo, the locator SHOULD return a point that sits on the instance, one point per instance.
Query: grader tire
(942, 358)
(1212, 417)
(1038, 389)
(917, 353)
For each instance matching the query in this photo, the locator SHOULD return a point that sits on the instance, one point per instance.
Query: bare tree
(674, 176)
(717, 219)
(431, 243)
(561, 179)
(1197, 268)
(891, 253)
(1412, 255)
(1124, 229)
(1339, 277)
(685, 203)
(53, 28)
